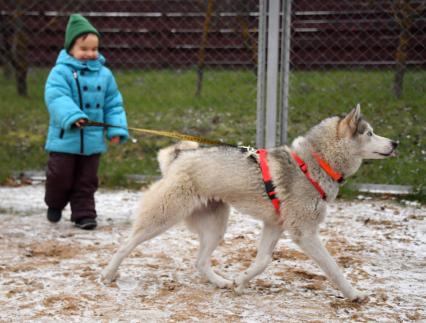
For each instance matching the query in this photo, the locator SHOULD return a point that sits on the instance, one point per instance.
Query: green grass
(226, 110)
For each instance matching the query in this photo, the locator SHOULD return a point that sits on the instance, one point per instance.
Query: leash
(262, 153)
(170, 134)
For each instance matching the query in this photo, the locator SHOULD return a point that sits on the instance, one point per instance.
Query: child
(79, 88)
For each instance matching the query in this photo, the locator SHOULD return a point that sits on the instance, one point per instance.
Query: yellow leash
(170, 134)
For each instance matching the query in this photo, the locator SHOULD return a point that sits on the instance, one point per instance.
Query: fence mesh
(190, 66)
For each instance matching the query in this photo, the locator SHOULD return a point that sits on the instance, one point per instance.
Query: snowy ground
(50, 273)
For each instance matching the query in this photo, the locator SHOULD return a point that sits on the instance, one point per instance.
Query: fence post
(285, 69)
(272, 73)
(261, 53)
(273, 63)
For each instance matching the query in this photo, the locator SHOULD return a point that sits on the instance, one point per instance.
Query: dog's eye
(369, 133)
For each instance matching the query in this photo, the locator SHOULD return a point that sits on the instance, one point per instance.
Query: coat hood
(93, 65)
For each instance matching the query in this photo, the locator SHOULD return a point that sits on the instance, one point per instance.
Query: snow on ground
(50, 273)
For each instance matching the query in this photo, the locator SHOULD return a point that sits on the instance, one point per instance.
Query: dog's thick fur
(200, 184)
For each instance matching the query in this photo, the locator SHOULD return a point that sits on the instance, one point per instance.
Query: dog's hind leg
(209, 223)
(270, 235)
(311, 244)
(137, 237)
(161, 208)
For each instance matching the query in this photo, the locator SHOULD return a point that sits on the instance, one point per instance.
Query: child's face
(85, 47)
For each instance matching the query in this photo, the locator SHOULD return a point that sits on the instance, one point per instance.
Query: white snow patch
(51, 272)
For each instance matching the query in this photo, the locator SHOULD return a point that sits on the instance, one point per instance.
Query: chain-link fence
(372, 52)
(190, 66)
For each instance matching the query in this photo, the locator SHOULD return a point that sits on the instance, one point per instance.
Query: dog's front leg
(270, 235)
(313, 247)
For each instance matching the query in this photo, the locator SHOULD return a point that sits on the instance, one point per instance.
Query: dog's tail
(167, 155)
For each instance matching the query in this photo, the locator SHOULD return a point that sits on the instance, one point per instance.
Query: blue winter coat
(82, 90)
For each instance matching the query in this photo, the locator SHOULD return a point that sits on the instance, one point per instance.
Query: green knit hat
(77, 26)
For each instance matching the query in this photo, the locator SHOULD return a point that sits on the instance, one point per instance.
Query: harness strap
(267, 179)
(305, 171)
(336, 176)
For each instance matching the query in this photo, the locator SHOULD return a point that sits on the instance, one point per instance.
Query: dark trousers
(74, 179)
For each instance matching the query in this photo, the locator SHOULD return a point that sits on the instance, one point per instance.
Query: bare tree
(248, 43)
(20, 49)
(202, 52)
(6, 38)
(405, 13)
(14, 49)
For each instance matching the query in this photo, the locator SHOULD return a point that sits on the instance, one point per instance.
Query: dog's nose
(394, 144)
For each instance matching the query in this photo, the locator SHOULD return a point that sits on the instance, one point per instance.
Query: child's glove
(115, 140)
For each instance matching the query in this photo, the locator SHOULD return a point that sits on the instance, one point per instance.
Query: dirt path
(51, 272)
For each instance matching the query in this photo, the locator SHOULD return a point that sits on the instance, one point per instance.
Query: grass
(227, 110)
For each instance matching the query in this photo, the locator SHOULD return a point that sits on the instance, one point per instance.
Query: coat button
(99, 87)
(87, 105)
(98, 105)
(85, 88)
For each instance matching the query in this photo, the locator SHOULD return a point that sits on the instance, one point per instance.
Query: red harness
(304, 169)
(267, 179)
(270, 187)
(327, 168)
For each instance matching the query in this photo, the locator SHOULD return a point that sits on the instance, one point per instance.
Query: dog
(200, 184)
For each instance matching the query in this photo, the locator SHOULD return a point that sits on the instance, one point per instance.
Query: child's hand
(115, 140)
(80, 123)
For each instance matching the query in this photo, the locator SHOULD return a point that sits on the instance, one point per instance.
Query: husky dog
(200, 184)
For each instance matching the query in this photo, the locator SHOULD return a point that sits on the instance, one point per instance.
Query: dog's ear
(349, 124)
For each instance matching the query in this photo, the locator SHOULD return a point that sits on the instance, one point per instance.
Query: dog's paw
(239, 286)
(224, 283)
(239, 289)
(359, 297)
(108, 277)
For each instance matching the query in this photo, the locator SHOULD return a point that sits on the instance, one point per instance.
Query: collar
(267, 179)
(336, 176)
(324, 165)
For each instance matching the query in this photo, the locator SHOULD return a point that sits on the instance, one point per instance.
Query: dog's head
(359, 132)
